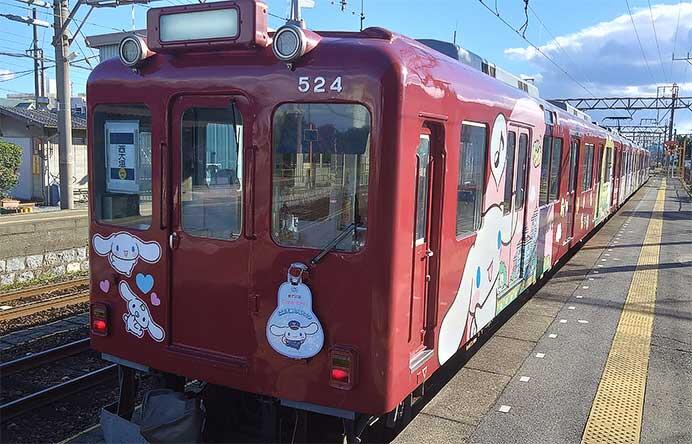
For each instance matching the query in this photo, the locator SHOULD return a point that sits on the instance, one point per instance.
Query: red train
(319, 221)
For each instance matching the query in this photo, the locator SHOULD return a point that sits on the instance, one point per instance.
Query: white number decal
(319, 85)
(304, 84)
(336, 85)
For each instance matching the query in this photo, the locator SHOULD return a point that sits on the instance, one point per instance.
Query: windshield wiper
(235, 125)
(333, 243)
(353, 227)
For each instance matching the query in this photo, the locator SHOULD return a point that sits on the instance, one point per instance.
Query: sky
(592, 44)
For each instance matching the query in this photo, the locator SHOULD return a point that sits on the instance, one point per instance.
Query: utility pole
(34, 53)
(672, 111)
(62, 77)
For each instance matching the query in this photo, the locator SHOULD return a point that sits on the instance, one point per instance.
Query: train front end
(238, 217)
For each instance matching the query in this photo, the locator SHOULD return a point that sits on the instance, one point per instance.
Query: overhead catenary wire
(641, 47)
(658, 46)
(539, 50)
(675, 38)
(557, 42)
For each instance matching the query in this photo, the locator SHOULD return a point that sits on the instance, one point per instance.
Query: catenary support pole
(62, 71)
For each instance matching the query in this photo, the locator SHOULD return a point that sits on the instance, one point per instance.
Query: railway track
(56, 392)
(37, 291)
(38, 305)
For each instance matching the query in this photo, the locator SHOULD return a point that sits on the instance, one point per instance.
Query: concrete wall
(44, 244)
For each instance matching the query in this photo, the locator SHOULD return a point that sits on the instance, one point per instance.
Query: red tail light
(344, 368)
(99, 319)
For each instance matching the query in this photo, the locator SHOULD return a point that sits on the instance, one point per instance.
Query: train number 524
(319, 85)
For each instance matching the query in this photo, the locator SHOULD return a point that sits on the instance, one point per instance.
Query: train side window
(573, 159)
(520, 183)
(555, 169)
(509, 176)
(545, 171)
(471, 177)
(320, 177)
(608, 165)
(587, 167)
(122, 170)
(422, 176)
(212, 165)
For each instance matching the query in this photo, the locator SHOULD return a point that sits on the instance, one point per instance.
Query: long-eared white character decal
(124, 250)
(475, 303)
(138, 318)
(293, 329)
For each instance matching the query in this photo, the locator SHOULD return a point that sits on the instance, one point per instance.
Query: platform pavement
(545, 363)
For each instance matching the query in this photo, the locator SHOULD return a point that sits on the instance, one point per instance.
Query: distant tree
(10, 158)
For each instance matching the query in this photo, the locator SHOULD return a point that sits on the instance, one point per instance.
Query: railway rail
(56, 392)
(43, 289)
(36, 307)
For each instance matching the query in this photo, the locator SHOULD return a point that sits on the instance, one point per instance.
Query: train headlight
(133, 49)
(289, 43)
(292, 43)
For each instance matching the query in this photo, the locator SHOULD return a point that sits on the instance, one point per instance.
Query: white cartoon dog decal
(138, 318)
(124, 251)
(293, 335)
(475, 304)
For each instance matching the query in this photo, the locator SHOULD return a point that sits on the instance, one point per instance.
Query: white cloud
(6, 75)
(607, 59)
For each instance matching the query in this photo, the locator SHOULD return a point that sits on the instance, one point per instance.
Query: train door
(518, 143)
(571, 197)
(424, 246)
(210, 253)
(616, 175)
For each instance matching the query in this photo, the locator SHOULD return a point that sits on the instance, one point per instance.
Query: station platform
(602, 353)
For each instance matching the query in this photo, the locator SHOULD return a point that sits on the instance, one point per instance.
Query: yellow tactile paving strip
(616, 412)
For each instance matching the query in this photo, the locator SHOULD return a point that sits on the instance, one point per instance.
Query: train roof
(430, 59)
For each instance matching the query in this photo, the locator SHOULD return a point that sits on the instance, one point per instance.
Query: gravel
(30, 381)
(44, 343)
(66, 418)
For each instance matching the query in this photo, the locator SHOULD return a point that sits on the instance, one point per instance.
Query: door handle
(173, 240)
(429, 253)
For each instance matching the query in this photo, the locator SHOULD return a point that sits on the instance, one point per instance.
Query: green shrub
(10, 158)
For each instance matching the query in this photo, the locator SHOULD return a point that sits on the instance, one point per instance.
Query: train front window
(212, 166)
(122, 158)
(321, 167)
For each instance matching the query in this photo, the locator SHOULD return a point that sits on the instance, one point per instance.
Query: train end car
(318, 221)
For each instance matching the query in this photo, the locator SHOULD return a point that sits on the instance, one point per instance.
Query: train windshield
(321, 167)
(122, 159)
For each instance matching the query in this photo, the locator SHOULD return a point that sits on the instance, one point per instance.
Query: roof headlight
(289, 43)
(133, 49)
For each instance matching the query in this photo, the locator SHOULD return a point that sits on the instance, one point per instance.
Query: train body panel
(460, 192)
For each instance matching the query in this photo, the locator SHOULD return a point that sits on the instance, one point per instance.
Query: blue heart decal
(145, 282)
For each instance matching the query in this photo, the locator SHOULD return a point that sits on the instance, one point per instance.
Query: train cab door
(424, 241)
(209, 246)
(571, 197)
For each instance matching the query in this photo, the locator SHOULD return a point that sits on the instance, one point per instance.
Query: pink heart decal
(155, 301)
(105, 285)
